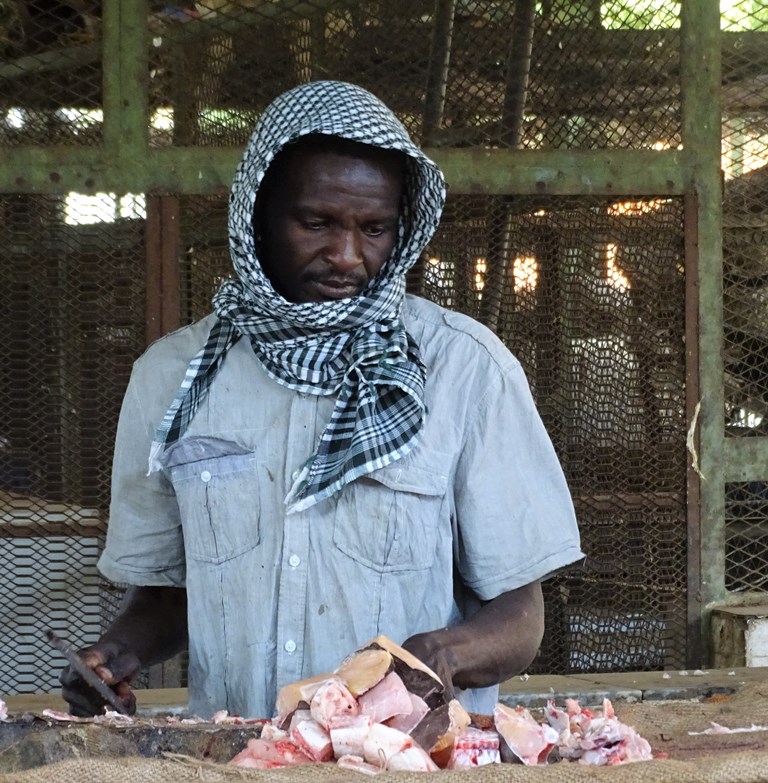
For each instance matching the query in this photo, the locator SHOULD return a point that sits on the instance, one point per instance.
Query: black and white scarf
(356, 348)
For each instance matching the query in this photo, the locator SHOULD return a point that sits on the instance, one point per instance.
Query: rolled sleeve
(145, 544)
(515, 515)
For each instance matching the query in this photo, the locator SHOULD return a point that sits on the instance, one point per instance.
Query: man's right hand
(150, 628)
(115, 665)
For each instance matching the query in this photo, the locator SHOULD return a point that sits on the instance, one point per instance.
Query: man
(339, 461)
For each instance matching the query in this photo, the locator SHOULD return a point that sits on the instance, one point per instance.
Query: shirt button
(205, 475)
(290, 646)
(294, 560)
(294, 475)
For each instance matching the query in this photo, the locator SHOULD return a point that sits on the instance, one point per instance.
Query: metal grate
(586, 291)
(745, 218)
(71, 286)
(745, 281)
(591, 302)
(746, 536)
(50, 73)
(480, 73)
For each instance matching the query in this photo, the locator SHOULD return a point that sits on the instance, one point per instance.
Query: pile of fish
(383, 709)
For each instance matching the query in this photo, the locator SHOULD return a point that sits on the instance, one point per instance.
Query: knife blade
(88, 674)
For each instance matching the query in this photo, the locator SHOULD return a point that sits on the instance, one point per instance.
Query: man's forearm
(152, 623)
(497, 642)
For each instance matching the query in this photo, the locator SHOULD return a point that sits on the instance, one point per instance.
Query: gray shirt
(479, 507)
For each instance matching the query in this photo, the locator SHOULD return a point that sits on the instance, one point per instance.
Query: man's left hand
(497, 642)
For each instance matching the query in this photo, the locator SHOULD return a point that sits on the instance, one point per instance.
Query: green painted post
(701, 77)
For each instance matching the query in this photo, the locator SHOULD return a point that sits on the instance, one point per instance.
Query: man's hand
(116, 666)
(492, 645)
(151, 627)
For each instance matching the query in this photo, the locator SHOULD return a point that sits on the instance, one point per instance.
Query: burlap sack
(749, 767)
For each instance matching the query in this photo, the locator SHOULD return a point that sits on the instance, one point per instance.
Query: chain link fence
(587, 291)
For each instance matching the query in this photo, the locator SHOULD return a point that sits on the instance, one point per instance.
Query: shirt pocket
(388, 520)
(219, 501)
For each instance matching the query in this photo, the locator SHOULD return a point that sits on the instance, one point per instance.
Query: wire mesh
(457, 72)
(72, 293)
(591, 301)
(587, 292)
(50, 72)
(745, 281)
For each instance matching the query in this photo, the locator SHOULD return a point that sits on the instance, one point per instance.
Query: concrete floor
(528, 691)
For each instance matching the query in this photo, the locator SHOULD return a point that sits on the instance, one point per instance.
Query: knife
(88, 674)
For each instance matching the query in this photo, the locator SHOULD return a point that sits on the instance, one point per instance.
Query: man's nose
(346, 250)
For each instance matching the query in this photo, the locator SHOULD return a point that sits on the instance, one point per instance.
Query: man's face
(330, 223)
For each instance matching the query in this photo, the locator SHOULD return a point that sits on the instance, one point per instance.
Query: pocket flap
(409, 478)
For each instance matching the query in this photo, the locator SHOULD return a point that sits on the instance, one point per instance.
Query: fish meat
(348, 734)
(475, 748)
(407, 722)
(270, 754)
(384, 742)
(523, 736)
(411, 759)
(386, 699)
(358, 763)
(382, 709)
(331, 700)
(596, 738)
(313, 739)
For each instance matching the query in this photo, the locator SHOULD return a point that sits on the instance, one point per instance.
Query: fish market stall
(699, 726)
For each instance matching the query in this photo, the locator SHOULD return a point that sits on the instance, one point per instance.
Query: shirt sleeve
(514, 511)
(145, 544)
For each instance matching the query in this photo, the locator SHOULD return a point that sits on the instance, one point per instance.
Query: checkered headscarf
(356, 348)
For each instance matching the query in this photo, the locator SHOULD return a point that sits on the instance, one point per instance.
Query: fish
(383, 710)
(523, 737)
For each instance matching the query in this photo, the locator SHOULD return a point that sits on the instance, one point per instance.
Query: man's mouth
(335, 288)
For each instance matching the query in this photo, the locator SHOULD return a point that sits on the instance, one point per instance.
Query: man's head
(371, 165)
(326, 216)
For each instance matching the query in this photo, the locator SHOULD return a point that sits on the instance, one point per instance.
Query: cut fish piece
(528, 741)
(383, 742)
(271, 732)
(416, 675)
(386, 699)
(349, 733)
(290, 696)
(364, 669)
(297, 717)
(331, 700)
(263, 754)
(408, 722)
(413, 759)
(475, 748)
(358, 763)
(438, 729)
(313, 739)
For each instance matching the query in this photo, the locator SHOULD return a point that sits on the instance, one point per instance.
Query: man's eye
(375, 231)
(314, 225)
